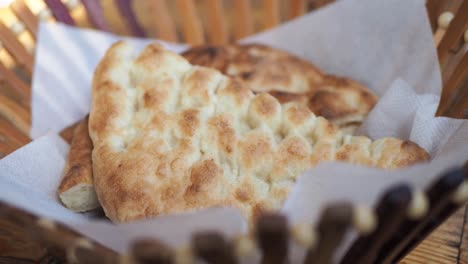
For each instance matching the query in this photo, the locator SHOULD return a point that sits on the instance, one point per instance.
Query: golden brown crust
(67, 133)
(76, 189)
(343, 101)
(210, 142)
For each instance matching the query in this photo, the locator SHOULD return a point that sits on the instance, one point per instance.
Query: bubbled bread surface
(170, 137)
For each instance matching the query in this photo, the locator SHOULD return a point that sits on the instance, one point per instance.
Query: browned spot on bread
(244, 194)
(298, 114)
(162, 171)
(411, 153)
(212, 55)
(154, 97)
(285, 97)
(266, 104)
(297, 148)
(189, 121)
(205, 178)
(259, 209)
(199, 81)
(255, 148)
(238, 90)
(161, 121)
(345, 152)
(227, 139)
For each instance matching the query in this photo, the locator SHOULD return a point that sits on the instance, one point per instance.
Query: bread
(342, 101)
(76, 190)
(67, 133)
(170, 137)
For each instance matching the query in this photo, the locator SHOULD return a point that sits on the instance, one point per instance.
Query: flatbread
(67, 133)
(76, 190)
(342, 101)
(170, 137)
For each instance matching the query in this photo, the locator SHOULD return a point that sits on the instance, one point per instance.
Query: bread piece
(343, 101)
(67, 133)
(170, 137)
(76, 191)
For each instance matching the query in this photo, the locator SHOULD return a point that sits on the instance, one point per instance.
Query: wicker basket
(402, 217)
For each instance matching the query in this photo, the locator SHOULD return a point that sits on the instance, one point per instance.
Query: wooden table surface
(447, 244)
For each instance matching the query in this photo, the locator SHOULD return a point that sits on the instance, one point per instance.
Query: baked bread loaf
(170, 137)
(342, 101)
(286, 77)
(76, 190)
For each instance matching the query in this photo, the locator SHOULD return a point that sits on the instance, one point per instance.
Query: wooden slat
(212, 247)
(126, 10)
(6, 148)
(296, 8)
(314, 4)
(152, 251)
(463, 254)
(459, 107)
(216, 22)
(271, 13)
(391, 211)
(60, 12)
(272, 238)
(454, 34)
(15, 48)
(12, 134)
(96, 14)
(54, 235)
(191, 24)
(163, 20)
(442, 245)
(243, 24)
(441, 206)
(453, 85)
(436, 7)
(17, 115)
(334, 221)
(19, 85)
(22, 11)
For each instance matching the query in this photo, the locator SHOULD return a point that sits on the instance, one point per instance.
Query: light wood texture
(453, 35)
(437, 7)
(15, 48)
(243, 19)
(271, 13)
(19, 85)
(191, 24)
(453, 57)
(443, 245)
(11, 135)
(163, 21)
(24, 13)
(452, 92)
(126, 10)
(17, 115)
(216, 22)
(297, 8)
(463, 253)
